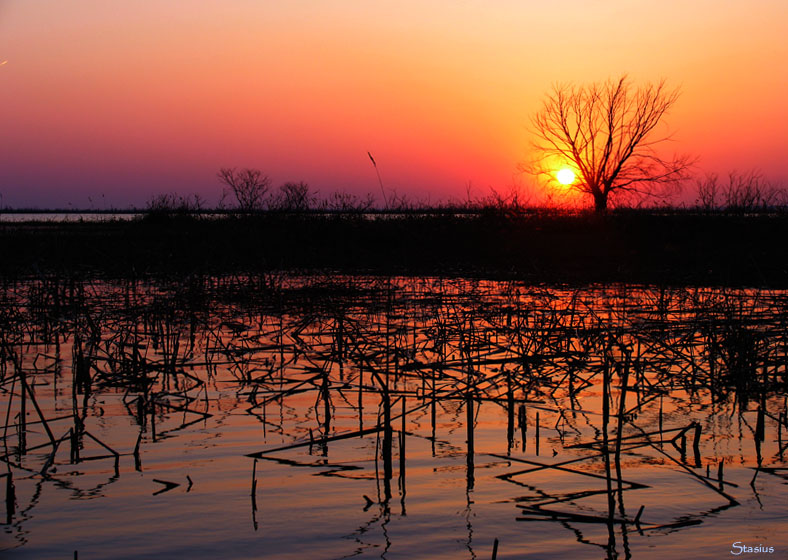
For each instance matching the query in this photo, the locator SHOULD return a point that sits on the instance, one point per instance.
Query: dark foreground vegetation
(628, 246)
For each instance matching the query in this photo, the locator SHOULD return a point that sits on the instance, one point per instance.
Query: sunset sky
(107, 103)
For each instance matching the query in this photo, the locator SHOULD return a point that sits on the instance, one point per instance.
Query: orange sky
(106, 103)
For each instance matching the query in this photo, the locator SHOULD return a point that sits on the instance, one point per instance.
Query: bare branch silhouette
(744, 192)
(605, 131)
(248, 186)
(294, 197)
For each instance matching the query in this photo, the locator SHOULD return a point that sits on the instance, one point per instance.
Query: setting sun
(565, 176)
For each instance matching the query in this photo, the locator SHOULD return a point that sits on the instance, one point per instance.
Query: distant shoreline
(645, 247)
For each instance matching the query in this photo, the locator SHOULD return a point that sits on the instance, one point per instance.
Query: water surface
(290, 416)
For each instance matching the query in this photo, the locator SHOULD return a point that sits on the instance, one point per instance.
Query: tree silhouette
(248, 186)
(605, 131)
(295, 197)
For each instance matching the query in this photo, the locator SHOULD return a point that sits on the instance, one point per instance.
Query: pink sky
(107, 103)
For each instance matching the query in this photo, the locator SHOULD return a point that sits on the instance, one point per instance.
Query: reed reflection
(571, 409)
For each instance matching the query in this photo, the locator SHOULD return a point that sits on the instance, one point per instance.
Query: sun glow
(565, 176)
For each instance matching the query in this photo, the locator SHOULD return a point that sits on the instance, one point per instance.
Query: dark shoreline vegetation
(642, 246)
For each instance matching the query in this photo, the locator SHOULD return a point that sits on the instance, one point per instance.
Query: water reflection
(437, 415)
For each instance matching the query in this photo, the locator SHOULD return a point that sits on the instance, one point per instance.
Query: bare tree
(606, 132)
(709, 192)
(248, 186)
(295, 197)
(745, 192)
(347, 202)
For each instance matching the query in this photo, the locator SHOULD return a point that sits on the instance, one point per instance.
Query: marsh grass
(375, 352)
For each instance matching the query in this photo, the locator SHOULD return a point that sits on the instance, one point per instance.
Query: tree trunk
(600, 202)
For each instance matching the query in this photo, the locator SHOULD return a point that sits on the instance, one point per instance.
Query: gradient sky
(107, 103)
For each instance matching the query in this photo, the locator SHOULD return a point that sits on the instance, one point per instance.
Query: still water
(59, 217)
(291, 416)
